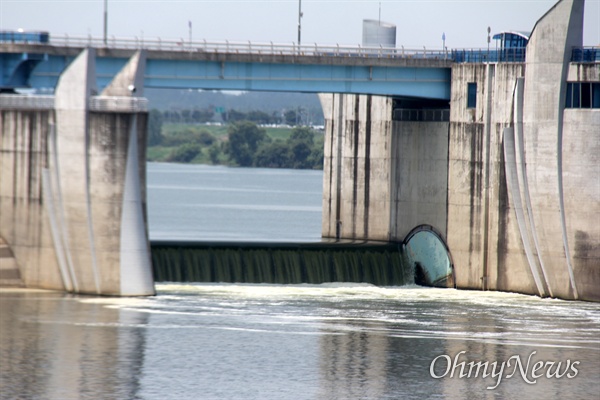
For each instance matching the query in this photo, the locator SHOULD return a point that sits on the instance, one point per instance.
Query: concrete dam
(500, 164)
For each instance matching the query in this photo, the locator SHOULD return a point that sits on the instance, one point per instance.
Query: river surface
(202, 202)
(329, 341)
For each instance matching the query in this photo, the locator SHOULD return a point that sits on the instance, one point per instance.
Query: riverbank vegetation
(240, 142)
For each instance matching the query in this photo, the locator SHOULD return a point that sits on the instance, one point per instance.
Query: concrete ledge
(25, 102)
(118, 104)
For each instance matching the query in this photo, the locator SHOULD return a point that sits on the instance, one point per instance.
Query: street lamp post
(105, 22)
(444, 44)
(299, 23)
(489, 30)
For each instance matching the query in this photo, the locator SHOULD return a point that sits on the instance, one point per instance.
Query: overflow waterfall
(381, 264)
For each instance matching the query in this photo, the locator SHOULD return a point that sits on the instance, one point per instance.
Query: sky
(418, 22)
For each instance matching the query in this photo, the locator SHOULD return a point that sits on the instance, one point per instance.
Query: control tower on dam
(491, 155)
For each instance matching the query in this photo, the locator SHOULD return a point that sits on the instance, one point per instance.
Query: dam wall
(382, 177)
(72, 185)
(481, 233)
(509, 183)
(24, 223)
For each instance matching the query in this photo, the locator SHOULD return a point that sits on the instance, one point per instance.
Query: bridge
(507, 180)
(237, 66)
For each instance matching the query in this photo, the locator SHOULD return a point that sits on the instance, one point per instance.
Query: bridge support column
(382, 177)
(72, 196)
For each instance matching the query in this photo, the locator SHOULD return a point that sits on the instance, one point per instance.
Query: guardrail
(26, 102)
(516, 54)
(579, 54)
(586, 54)
(246, 47)
(118, 104)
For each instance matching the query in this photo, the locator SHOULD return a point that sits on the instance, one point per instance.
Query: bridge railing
(515, 54)
(118, 104)
(246, 47)
(26, 102)
(586, 54)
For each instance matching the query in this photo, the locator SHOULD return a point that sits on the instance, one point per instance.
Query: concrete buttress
(91, 218)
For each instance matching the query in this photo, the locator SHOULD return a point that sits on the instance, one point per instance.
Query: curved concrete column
(548, 57)
(100, 175)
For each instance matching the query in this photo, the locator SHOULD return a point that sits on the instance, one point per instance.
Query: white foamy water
(330, 341)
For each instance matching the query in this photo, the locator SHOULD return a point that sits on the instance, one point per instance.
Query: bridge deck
(226, 66)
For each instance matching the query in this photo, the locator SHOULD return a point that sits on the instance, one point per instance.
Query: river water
(329, 341)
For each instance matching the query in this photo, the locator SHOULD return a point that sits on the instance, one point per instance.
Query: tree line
(218, 114)
(246, 144)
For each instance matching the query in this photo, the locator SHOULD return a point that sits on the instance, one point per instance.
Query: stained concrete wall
(382, 178)
(523, 170)
(24, 224)
(356, 183)
(419, 177)
(561, 154)
(72, 185)
(511, 184)
(482, 232)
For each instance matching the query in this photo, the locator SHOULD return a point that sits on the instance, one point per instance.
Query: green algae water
(380, 264)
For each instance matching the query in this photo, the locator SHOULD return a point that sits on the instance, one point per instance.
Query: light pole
(444, 44)
(105, 21)
(299, 23)
(489, 30)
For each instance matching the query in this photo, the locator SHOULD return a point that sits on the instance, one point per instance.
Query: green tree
(259, 117)
(300, 153)
(236, 116)
(184, 153)
(205, 138)
(301, 144)
(244, 140)
(155, 121)
(290, 117)
(186, 115)
(202, 115)
(303, 134)
(273, 155)
(214, 152)
(315, 160)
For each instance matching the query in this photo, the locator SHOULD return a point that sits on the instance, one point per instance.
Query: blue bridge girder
(320, 70)
(16, 69)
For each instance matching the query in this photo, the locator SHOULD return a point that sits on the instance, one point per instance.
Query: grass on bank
(210, 140)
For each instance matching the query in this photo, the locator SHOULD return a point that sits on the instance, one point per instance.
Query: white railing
(228, 47)
(118, 104)
(96, 103)
(26, 102)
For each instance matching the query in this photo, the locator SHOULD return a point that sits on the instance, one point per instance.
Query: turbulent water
(330, 341)
(259, 341)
